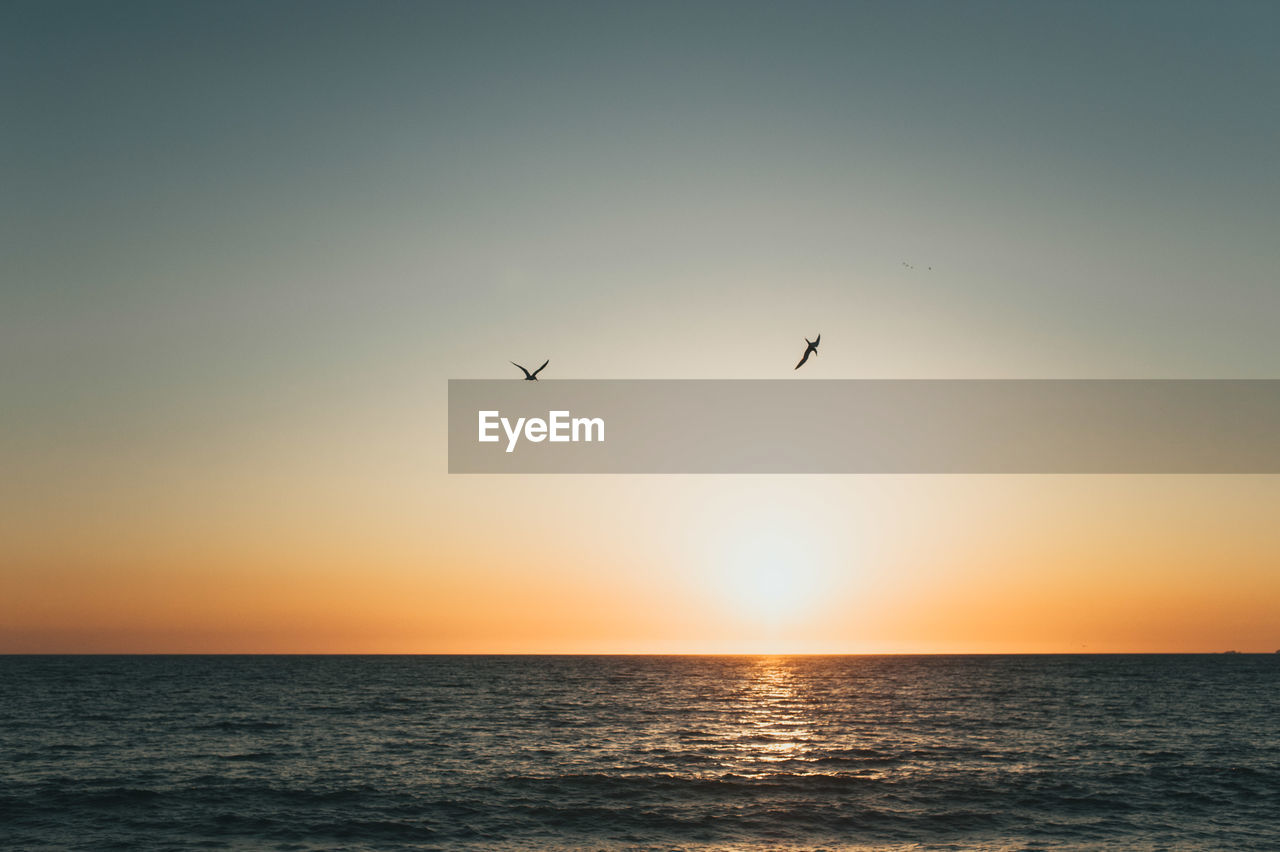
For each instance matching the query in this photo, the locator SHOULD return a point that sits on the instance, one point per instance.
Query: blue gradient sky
(243, 245)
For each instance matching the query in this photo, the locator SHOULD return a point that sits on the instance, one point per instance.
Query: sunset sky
(244, 245)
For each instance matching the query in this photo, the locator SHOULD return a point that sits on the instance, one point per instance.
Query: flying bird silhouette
(811, 349)
(531, 377)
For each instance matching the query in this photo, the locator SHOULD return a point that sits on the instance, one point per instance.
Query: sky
(243, 247)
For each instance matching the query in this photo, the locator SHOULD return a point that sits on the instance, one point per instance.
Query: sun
(771, 593)
(772, 577)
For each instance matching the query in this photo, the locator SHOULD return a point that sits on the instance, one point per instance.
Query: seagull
(813, 347)
(531, 377)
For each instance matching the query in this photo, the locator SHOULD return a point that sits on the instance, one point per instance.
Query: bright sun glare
(772, 576)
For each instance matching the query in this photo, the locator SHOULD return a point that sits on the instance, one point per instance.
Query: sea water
(662, 753)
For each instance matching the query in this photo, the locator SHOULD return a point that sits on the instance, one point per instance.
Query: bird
(531, 377)
(812, 348)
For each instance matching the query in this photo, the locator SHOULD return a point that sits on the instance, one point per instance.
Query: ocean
(645, 753)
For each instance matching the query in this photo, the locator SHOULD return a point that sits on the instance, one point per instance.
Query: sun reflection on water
(775, 721)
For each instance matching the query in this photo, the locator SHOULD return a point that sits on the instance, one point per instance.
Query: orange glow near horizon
(926, 566)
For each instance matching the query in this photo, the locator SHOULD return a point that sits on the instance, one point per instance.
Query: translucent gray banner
(865, 426)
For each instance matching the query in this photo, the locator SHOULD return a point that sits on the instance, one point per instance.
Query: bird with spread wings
(811, 349)
(533, 377)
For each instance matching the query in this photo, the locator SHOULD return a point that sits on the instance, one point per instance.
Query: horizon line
(1228, 652)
